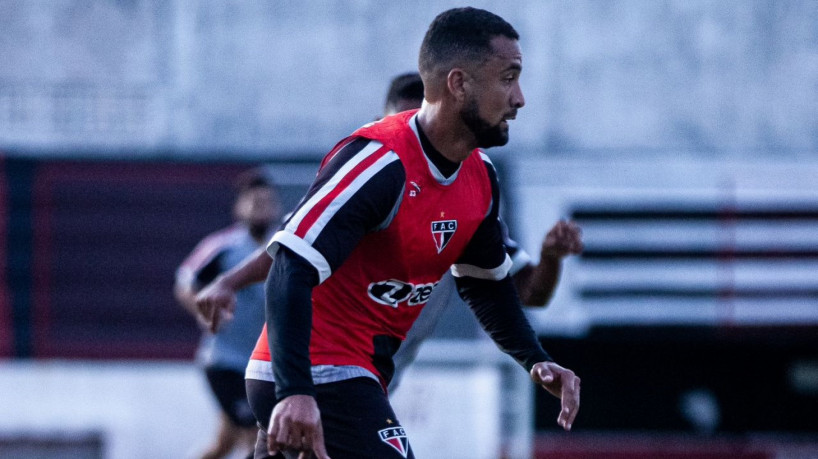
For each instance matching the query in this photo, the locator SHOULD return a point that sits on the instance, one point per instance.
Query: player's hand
(216, 304)
(295, 424)
(561, 383)
(564, 238)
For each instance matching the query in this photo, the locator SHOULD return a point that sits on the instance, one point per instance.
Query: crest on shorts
(396, 438)
(442, 231)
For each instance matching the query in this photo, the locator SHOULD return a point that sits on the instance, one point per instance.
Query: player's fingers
(562, 419)
(227, 303)
(215, 318)
(279, 436)
(306, 443)
(201, 307)
(567, 416)
(318, 446)
(570, 403)
(204, 310)
(566, 233)
(541, 374)
(272, 444)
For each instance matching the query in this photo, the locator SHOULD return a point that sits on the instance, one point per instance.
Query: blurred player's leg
(236, 420)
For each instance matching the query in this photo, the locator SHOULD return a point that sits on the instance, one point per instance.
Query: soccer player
(535, 283)
(224, 354)
(392, 208)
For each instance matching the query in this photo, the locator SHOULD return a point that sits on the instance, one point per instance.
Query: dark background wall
(90, 249)
(704, 380)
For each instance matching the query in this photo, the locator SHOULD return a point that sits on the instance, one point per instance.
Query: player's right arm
(357, 190)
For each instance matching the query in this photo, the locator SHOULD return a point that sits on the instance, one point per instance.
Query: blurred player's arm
(536, 283)
(202, 266)
(186, 296)
(219, 296)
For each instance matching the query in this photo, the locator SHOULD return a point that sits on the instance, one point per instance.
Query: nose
(517, 98)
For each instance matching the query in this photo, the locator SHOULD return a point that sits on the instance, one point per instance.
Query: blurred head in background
(257, 204)
(405, 93)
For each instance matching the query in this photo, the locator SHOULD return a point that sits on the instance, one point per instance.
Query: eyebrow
(514, 66)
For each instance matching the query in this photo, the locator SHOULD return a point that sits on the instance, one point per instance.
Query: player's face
(258, 207)
(495, 94)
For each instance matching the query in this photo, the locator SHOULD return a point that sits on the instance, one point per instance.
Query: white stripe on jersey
(498, 273)
(345, 195)
(520, 260)
(297, 245)
(321, 374)
(302, 211)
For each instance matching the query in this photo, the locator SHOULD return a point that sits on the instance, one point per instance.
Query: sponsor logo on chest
(392, 292)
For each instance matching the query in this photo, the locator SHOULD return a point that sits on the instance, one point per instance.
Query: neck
(449, 136)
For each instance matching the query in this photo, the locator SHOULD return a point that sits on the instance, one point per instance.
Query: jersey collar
(433, 157)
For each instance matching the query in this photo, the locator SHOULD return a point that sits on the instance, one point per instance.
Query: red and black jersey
(381, 225)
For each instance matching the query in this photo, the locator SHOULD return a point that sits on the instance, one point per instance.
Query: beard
(258, 230)
(486, 134)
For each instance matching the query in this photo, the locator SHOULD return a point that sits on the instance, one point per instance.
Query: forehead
(258, 192)
(506, 54)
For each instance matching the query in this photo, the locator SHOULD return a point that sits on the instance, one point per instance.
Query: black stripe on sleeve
(289, 322)
(366, 211)
(497, 308)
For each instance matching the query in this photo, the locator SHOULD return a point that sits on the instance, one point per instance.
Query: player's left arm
(481, 275)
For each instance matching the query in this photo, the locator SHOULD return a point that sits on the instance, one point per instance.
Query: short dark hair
(252, 179)
(404, 86)
(458, 35)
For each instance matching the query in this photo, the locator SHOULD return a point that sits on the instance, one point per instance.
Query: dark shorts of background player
(357, 418)
(229, 388)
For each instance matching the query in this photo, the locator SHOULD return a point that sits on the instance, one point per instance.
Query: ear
(457, 82)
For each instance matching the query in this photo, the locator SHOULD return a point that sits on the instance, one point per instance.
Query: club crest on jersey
(442, 231)
(396, 438)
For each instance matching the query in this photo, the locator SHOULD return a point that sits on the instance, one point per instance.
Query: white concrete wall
(286, 77)
(142, 409)
(460, 400)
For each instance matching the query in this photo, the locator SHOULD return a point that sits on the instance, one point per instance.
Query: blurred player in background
(405, 93)
(535, 283)
(224, 353)
(364, 249)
